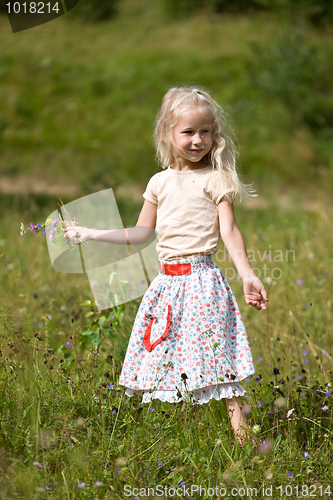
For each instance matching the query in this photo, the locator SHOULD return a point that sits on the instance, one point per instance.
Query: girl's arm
(135, 235)
(254, 290)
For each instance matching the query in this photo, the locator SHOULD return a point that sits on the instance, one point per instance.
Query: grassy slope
(79, 100)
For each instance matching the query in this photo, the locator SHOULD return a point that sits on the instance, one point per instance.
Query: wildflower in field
(63, 309)
(248, 381)
(328, 393)
(32, 227)
(68, 344)
(306, 455)
(299, 282)
(324, 353)
(159, 462)
(290, 474)
(265, 446)
(38, 325)
(22, 229)
(98, 483)
(299, 378)
(98, 416)
(111, 386)
(289, 412)
(259, 358)
(260, 404)
(305, 353)
(38, 465)
(325, 407)
(118, 471)
(257, 379)
(114, 411)
(152, 409)
(306, 361)
(81, 485)
(182, 483)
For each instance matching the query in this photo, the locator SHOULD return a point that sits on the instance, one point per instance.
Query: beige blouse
(187, 218)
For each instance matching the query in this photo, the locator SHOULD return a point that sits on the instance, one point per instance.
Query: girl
(188, 339)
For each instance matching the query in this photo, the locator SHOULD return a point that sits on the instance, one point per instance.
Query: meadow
(71, 106)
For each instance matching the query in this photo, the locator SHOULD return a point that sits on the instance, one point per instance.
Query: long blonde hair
(222, 155)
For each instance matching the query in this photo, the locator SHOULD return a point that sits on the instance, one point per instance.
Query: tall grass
(66, 426)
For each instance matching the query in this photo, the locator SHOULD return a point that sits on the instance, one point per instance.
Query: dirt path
(28, 184)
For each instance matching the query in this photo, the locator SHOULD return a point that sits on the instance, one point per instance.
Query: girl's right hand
(77, 234)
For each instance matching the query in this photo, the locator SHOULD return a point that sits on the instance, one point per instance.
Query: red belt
(176, 269)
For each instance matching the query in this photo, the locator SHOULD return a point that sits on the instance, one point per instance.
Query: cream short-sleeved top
(187, 221)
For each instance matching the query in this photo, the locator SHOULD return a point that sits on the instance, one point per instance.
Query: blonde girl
(188, 340)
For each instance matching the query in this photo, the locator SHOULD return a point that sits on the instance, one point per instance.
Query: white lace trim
(198, 396)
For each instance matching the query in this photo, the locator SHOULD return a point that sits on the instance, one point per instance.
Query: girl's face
(192, 137)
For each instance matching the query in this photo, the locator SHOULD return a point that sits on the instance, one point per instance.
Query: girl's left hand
(255, 293)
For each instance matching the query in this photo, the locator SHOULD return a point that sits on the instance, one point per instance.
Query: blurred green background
(79, 95)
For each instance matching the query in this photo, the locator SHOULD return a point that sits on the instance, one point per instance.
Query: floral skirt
(188, 340)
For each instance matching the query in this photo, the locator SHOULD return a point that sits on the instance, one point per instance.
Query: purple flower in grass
(38, 465)
(32, 227)
(325, 407)
(151, 409)
(305, 352)
(98, 483)
(299, 282)
(68, 345)
(118, 471)
(111, 386)
(159, 462)
(259, 358)
(306, 455)
(328, 393)
(260, 404)
(290, 474)
(81, 485)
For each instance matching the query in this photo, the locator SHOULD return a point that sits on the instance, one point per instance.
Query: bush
(96, 10)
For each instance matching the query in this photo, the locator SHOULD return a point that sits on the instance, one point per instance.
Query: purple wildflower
(299, 378)
(32, 227)
(182, 483)
(259, 358)
(159, 462)
(260, 404)
(98, 483)
(38, 465)
(44, 231)
(328, 393)
(306, 455)
(299, 282)
(63, 309)
(325, 407)
(39, 226)
(118, 471)
(111, 386)
(306, 361)
(81, 485)
(257, 379)
(68, 344)
(305, 353)
(290, 474)
(152, 409)
(114, 412)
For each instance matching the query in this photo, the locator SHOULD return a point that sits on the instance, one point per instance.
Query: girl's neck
(185, 165)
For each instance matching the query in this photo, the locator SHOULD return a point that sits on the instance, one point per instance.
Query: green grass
(56, 407)
(79, 108)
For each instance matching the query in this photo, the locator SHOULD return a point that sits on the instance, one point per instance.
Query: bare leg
(237, 419)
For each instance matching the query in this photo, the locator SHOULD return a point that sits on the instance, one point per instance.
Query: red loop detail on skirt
(176, 269)
(146, 338)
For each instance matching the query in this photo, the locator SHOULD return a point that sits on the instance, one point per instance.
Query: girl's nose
(197, 138)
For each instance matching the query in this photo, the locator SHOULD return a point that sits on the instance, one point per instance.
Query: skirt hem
(198, 396)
